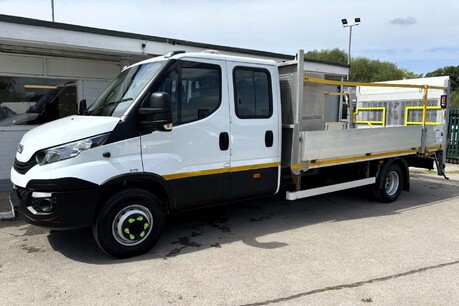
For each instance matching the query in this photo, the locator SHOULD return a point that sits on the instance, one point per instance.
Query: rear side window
(252, 92)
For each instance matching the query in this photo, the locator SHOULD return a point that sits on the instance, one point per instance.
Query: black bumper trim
(71, 208)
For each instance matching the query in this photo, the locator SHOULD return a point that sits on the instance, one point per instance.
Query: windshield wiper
(99, 108)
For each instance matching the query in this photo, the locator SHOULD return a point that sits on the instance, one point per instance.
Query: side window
(252, 92)
(200, 92)
(195, 91)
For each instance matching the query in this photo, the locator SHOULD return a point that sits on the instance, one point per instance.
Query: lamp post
(347, 25)
(52, 9)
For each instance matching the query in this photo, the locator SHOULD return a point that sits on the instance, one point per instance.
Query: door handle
(224, 141)
(269, 139)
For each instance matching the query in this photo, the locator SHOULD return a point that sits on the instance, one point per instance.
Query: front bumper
(56, 209)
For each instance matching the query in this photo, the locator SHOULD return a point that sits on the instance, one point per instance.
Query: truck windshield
(124, 90)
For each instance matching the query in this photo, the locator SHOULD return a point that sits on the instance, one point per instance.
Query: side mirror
(157, 113)
(82, 109)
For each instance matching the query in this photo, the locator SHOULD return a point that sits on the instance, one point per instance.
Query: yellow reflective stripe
(253, 167)
(297, 166)
(195, 173)
(219, 171)
(435, 148)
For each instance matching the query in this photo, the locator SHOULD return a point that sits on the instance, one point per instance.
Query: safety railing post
(425, 100)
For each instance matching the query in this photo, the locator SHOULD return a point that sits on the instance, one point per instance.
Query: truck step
(295, 195)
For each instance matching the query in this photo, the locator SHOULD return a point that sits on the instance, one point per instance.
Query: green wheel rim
(132, 225)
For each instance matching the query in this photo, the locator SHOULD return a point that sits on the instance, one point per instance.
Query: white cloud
(404, 21)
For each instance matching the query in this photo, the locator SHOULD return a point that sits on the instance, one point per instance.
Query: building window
(252, 91)
(31, 101)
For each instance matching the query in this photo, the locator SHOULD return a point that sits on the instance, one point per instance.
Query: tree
(364, 69)
(367, 70)
(455, 99)
(453, 73)
(333, 55)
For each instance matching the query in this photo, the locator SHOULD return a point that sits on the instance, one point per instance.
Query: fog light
(40, 195)
(46, 205)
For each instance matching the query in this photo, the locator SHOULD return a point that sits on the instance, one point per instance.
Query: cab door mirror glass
(156, 113)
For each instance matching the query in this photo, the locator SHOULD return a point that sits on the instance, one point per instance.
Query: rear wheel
(390, 184)
(129, 224)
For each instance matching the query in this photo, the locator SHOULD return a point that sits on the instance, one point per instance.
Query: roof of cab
(209, 55)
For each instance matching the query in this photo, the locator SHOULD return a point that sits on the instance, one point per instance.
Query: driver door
(194, 158)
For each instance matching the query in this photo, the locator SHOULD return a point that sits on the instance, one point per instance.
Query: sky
(418, 35)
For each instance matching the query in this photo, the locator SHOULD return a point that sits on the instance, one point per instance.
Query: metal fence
(452, 152)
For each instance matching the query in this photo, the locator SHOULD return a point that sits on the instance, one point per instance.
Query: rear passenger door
(255, 128)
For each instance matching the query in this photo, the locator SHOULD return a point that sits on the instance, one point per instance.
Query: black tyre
(390, 184)
(129, 224)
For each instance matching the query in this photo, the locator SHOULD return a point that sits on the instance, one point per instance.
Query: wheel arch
(150, 182)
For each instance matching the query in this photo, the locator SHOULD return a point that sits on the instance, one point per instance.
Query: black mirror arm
(83, 109)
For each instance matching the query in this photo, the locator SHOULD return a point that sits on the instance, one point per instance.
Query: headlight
(69, 150)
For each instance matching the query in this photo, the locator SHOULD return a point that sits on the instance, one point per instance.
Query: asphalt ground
(5, 206)
(341, 248)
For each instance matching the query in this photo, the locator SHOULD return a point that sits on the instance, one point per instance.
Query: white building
(42, 60)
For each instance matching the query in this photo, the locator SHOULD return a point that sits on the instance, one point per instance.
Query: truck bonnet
(63, 131)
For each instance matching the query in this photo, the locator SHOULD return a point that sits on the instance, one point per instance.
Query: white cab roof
(212, 56)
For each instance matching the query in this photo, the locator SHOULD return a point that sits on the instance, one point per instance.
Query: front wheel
(129, 224)
(390, 184)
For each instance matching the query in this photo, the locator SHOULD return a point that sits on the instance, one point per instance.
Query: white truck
(188, 130)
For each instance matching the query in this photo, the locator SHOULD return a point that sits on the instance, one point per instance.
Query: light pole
(52, 9)
(347, 25)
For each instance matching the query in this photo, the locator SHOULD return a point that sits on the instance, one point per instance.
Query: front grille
(22, 168)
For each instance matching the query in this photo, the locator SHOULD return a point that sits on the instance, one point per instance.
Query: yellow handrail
(424, 114)
(370, 122)
(424, 87)
(338, 83)
(332, 93)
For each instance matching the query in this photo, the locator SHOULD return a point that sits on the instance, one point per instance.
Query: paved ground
(342, 248)
(5, 206)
